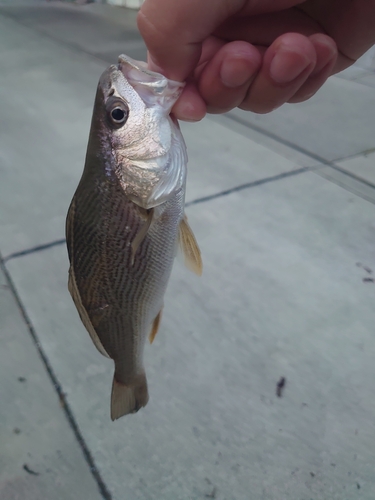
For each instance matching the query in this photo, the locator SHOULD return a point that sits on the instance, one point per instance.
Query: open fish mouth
(154, 88)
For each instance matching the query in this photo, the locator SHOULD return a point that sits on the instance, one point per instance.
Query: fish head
(143, 146)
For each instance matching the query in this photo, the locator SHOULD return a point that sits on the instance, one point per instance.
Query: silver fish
(126, 219)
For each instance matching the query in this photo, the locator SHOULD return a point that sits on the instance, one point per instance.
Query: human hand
(256, 55)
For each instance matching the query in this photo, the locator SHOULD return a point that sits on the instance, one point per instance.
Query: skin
(253, 54)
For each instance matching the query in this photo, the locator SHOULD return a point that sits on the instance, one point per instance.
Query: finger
(287, 64)
(210, 47)
(225, 79)
(326, 56)
(173, 31)
(190, 106)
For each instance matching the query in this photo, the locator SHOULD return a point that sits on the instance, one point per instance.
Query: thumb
(174, 31)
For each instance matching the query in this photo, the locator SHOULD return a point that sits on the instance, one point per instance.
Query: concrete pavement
(283, 209)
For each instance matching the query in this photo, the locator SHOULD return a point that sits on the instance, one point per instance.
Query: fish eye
(117, 111)
(118, 115)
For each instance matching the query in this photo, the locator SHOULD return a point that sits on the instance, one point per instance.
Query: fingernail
(190, 120)
(187, 113)
(235, 72)
(287, 65)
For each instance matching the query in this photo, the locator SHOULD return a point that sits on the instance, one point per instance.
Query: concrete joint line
(309, 154)
(35, 249)
(249, 185)
(56, 384)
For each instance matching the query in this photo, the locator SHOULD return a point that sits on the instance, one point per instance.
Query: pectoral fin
(155, 327)
(142, 233)
(189, 247)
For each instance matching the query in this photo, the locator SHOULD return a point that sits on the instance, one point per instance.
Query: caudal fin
(128, 398)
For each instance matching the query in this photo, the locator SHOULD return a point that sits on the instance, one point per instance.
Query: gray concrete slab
(363, 66)
(43, 132)
(367, 79)
(220, 158)
(363, 166)
(18, 3)
(241, 127)
(39, 455)
(353, 73)
(103, 31)
(282, 294)
(338, 121)
(42, 154)
(367, 61)
(346, 180)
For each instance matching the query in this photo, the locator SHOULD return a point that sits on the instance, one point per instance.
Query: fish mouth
(147, 83)
(137, 72)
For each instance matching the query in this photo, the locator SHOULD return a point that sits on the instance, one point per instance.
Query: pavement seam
(306, 152)
(359, 188)
(37, 248)
(277, 138)
(365, 153)
(203, 199)
(57, 386)
(248, 185)
(353, 176)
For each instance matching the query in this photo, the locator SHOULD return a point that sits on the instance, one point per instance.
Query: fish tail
(128, 398)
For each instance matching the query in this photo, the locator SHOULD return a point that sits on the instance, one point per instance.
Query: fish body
(125, 220)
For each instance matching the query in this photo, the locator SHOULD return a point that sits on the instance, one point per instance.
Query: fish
(126, 221)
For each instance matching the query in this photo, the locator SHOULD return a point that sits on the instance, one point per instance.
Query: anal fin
(190, 248)
(155, 327)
